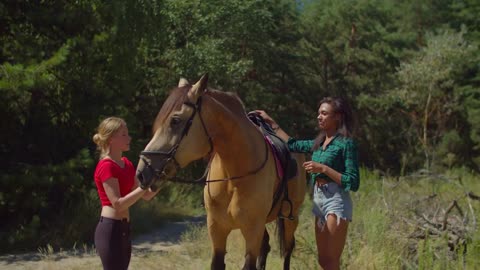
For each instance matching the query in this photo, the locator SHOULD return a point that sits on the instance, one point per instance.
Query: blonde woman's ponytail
(105, 131)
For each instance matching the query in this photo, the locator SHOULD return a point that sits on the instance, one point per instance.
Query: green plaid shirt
(341, 155)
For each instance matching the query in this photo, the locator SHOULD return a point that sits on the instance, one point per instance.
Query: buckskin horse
(241, 180)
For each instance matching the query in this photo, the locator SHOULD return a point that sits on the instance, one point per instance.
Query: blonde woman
(118, 189)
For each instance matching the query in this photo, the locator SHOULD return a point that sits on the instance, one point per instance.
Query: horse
(196, 122)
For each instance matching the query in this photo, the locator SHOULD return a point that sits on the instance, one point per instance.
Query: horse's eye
(175, 121)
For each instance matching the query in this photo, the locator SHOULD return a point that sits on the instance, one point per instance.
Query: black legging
(113, 243)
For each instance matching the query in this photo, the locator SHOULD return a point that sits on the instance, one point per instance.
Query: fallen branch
(473, 196)
(448, 227)
(445, 217)
(429, 221)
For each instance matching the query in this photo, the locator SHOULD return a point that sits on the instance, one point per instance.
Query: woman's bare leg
(330, 241)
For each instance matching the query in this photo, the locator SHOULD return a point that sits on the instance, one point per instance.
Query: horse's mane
(178, 96)
(229, 99)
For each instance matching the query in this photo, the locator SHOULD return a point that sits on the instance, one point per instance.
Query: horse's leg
(290, 227)
(253, 241)
(262, 259)
(218, 237)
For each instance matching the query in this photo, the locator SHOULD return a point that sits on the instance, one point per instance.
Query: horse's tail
(281, 236)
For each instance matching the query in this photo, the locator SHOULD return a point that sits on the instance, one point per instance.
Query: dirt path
(164, 239)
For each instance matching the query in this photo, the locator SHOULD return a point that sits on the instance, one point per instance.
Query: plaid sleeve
(351, 176)
(300, 146)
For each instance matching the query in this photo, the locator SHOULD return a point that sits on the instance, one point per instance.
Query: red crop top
(106, 169)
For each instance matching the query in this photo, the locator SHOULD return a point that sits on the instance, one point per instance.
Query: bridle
(170, 155)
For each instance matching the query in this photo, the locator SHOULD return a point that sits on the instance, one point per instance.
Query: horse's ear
(183, 82)
(199, 88)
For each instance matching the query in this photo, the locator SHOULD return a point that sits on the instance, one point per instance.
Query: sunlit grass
(379, 236)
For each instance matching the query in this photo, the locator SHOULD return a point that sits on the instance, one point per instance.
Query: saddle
(288, 164)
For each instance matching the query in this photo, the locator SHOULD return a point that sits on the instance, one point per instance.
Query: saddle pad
(278, 164)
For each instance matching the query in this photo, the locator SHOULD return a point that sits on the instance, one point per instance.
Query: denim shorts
(329, 199)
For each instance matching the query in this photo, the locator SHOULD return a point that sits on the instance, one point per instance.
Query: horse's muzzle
(148, 173)
(146, 176)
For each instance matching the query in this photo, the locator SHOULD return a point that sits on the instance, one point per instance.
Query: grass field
(399, 223)
(388, 230)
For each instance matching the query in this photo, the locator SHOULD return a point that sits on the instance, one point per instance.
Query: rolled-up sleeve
(351, 176)
(300, 146)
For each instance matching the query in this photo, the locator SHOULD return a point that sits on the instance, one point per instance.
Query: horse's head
(180, 135)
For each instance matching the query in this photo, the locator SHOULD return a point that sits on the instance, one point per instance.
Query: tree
(426, 84)
(352, 49)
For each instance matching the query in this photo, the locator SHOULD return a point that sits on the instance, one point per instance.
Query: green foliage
(352, 49)
(470, 96)
(64, 65)
(426, 83)
(37, 202)
(450, 149)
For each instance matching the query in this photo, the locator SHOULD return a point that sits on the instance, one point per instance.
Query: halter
(170, 155)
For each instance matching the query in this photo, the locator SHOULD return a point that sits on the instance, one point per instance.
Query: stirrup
(290, 215)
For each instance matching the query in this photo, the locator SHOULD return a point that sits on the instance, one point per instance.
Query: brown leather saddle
(288, 163)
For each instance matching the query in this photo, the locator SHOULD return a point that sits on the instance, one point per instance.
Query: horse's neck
(238, 143)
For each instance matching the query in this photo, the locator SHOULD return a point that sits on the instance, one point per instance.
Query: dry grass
(378, 238)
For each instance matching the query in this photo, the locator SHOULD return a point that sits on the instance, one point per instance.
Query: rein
(242, 176)
(170, 155)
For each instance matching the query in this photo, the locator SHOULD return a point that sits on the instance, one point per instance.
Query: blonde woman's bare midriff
(110, 212)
